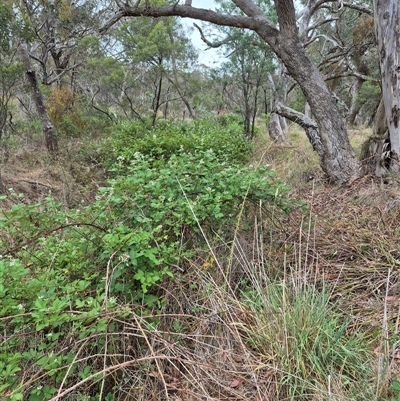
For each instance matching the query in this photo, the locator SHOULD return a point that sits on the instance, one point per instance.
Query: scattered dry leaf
(236, 383)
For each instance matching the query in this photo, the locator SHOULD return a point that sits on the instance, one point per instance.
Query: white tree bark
(387, 29)
(277, 127)
(275, 130)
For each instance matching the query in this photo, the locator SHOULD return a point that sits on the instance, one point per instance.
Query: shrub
(65, 275)
(188, 190)
(166, 139)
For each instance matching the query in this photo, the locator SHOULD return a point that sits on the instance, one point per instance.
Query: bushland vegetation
(190, 263)
(166, 234)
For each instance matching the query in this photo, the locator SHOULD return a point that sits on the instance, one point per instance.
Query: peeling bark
(387, 29)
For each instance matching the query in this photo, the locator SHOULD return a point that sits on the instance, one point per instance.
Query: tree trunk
(355, 106)
(246, 112)
(157, 100)
(387, 29)
(375, 152)
(175, 82)
(49, 131)
(337, 157)
(275, 130)
(165, 113)
(191, 111)
(254, 114)
(277, 127)
(185, 100)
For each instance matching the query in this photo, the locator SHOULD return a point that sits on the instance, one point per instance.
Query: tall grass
(264, 316)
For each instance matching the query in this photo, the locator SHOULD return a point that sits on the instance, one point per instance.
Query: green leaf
(43, 361)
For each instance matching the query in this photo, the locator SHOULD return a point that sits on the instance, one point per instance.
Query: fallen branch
(36, 183)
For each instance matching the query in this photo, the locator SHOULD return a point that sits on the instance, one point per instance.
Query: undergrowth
(194, 275)
(68, 276)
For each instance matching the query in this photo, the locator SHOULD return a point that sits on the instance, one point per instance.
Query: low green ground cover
(65, 273)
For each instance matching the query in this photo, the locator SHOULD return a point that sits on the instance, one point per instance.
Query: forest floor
(349, 241)
(353, 231)
(73, 177)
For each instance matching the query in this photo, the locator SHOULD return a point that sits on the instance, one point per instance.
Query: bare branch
(327, 38)
(59, 76)
(257, 23)
(40, 61)
(357, 7)
(356, 74)
(307, 12)
(314, 5)
(318, 24)
(207, 42)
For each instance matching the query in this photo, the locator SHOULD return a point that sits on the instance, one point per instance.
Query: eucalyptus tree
(381, 151)
(50, 56)
(160, 54)
(337, 157)
(365, 64)
(387, 28)
(278, 88)
(48, 128)
(247, 67)
(57, 28)
(248, 64)
(341, 41)
(10, 70)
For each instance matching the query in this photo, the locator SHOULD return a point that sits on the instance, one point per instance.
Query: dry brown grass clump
(71, 177)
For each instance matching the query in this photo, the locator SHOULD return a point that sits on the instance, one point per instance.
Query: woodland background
(167, 234)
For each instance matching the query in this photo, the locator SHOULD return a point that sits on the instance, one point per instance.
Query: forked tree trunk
(337, 157)
(277, 127)
(387, 29)
(49, 131)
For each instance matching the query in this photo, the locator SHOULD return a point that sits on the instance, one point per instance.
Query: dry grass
(308, 312)
(304, 309)
(72, 177)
